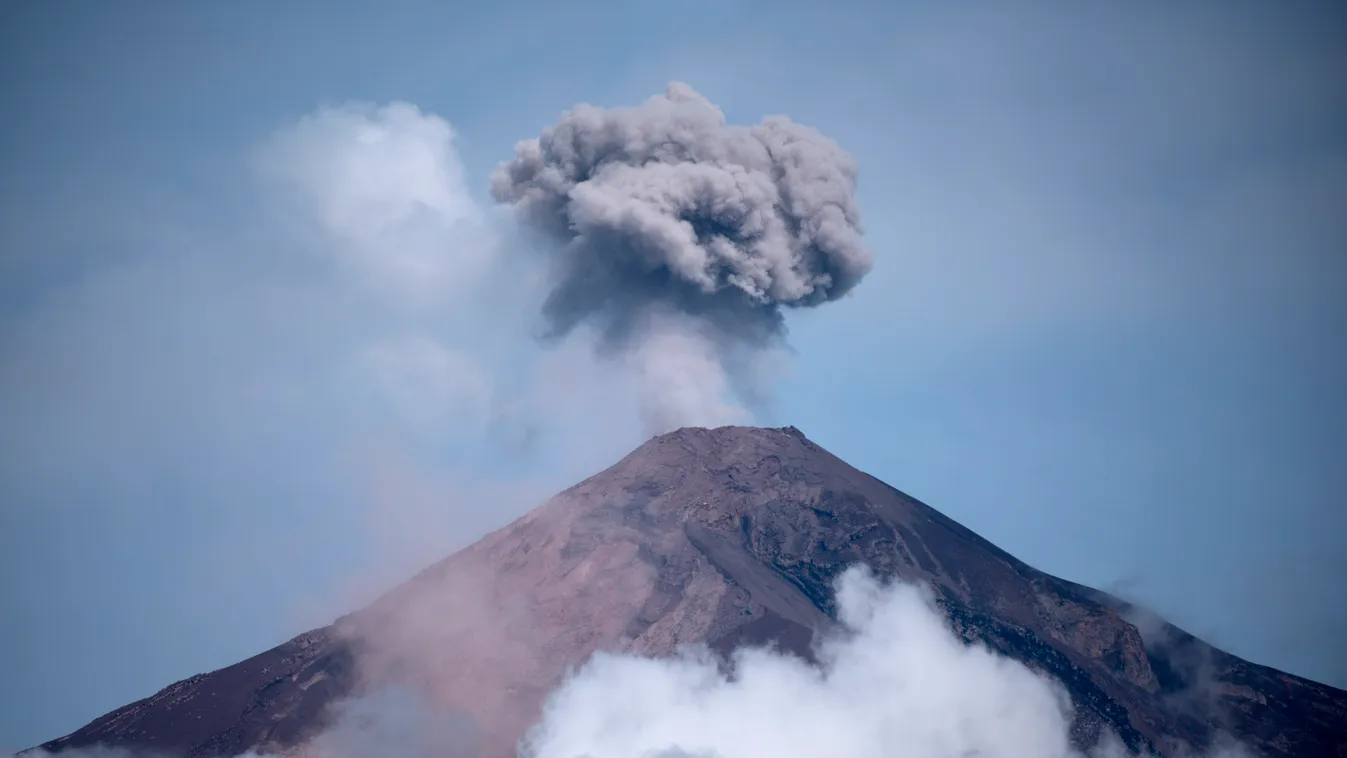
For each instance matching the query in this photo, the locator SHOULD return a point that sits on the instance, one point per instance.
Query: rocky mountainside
(728, 537)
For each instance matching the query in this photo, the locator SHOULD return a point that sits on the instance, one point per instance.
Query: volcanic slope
(728, 537)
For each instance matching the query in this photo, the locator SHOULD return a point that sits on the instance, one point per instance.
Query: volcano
(725, 537)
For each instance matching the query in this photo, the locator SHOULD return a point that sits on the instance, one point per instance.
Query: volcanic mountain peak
(707, 475)
(723, 537)
(668, 458)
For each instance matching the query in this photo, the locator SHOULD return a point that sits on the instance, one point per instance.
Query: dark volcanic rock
(278, 698)
(726, 537)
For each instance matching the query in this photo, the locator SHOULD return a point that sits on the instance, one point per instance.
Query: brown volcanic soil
(726, 537)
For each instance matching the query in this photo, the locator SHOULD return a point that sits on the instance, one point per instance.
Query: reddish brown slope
(721, 536)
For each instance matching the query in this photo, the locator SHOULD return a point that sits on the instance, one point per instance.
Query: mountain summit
(724, 537)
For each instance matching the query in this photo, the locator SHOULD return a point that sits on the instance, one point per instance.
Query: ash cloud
(664, 212)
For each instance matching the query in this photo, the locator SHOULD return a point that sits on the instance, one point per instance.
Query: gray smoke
(664, 208)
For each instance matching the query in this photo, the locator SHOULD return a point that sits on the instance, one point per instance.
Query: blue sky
(1104, 328)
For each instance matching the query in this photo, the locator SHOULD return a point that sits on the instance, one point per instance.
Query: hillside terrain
(727, 537)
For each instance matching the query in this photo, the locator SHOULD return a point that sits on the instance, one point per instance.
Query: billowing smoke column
(663, 216)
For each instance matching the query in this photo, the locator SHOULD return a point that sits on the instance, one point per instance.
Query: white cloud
(215, 344)
(386, 185)
(228, 383)
(898, 682)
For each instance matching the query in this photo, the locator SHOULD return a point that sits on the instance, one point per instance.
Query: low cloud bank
(896, 682)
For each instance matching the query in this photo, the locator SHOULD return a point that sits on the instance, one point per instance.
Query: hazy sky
(266, 343)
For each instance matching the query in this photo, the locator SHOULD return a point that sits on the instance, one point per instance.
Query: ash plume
(664, 212)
